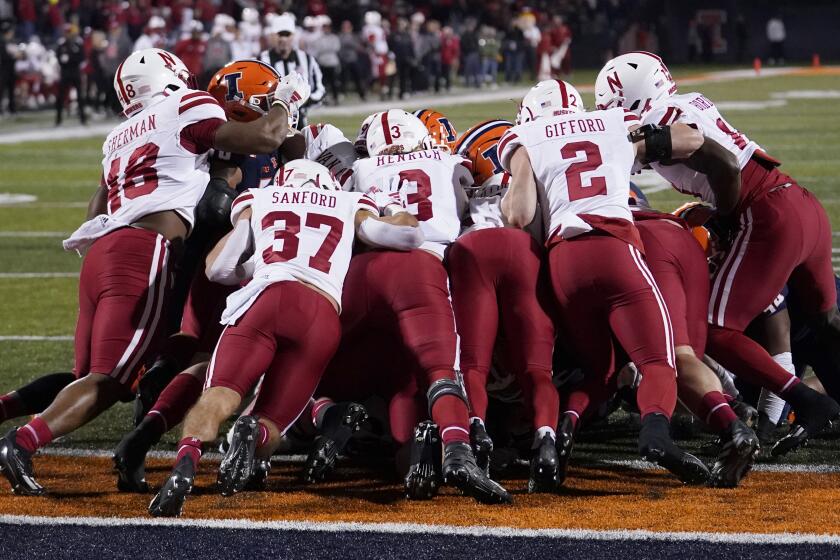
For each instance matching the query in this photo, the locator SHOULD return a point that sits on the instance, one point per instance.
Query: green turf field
(803, 133)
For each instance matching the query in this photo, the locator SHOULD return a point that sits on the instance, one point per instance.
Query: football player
(770, 219)
(154, 173)
(408, 293)
(169, 388)
(678, 264)
(293, 240)
(578, 165)
(495, 279)
(442, 134)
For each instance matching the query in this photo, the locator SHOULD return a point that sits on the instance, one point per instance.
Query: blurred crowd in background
(62, 53)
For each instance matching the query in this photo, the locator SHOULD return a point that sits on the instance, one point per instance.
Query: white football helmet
(361, 139)
(396, 131)
(549, 98)
(147, 74)
(634, 81)
(300, 173)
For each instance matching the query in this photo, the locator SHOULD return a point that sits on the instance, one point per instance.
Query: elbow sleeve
(223, 269)
(382, 234)
(213, 209)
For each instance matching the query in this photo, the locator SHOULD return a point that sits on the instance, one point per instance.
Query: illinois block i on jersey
(770, 218)
(578, 165)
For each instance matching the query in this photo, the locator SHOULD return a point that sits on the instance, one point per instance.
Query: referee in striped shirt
(284, 58)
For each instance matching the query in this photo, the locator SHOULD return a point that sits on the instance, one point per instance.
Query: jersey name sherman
(579, 126)
(294, 196)
(129, 134)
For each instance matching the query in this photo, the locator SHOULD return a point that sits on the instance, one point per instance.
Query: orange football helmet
(440, 129)
(479, 145)
(244, 88)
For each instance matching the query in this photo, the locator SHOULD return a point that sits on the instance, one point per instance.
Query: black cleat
(565, 443)
(262, 468)
(814, 411)
(130, 460)
(545, 467)
(170, 500)
(656, 446)
(745, 412)
(238, 463)
(765, 429)
(151, 385)
(424, 473)
(16, 466)
(461, 470)
(481, 444)
(340, 422)
(739, 446)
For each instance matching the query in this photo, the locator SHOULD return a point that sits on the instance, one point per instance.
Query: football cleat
(545, 467)
(819, 413)
(482, 445)
(656, 446)
(739, 446)
(16, 466)
(424, 473)
(745, 412)
(238, 463)
(130, 458)
(262, 468)
(151, 385)
(340, 421)
(565, 443)
(765, 429)
(170, 500)
(461, 470)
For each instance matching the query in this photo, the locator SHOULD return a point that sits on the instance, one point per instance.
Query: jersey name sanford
(579, 126)
(411, 156)
(129, 133)
(303, 197)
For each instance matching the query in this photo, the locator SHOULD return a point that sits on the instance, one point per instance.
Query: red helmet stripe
(563, 92)
(386, 128)
(120, 83)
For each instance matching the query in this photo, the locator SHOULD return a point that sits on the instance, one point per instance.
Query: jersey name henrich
(128, 134)
(579, 126)
(304, 197)
(412, 156)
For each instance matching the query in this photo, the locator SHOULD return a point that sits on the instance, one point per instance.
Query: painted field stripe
(639, 464)
(59, 234)
(421, 528)
(27, 338)
(21, 275)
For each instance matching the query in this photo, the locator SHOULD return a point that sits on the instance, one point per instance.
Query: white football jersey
(581, 163)
(695, 109)
(146, 166)
(485, 204)
(430, 184)
(319, 139)
(303, 234)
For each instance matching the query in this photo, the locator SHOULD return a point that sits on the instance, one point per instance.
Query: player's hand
(292, 89)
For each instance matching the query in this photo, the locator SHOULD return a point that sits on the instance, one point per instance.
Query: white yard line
(441, 100)
(641, 465)
(423, 529)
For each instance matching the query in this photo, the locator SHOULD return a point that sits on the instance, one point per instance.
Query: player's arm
(399, 231)
(98, 202)
(264, 135)
(723, 172)
(520, 202)
(664, 143)
(225, 261)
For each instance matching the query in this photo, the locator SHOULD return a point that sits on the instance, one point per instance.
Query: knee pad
(443, 387)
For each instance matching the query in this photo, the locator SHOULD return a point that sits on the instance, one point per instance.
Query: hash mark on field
(19, 275)
(28, 338)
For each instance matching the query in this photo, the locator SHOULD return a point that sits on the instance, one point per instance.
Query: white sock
(541, 432)
(769, 403)
(477, 419)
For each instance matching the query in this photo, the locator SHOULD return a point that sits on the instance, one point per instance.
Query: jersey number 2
(289, 235)
(140, 176)
(597, 185)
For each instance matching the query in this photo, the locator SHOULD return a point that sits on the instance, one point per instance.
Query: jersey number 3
(139, 178)
(597, 185)
(289, 235)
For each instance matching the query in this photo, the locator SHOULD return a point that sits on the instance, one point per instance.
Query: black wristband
(657, 141)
